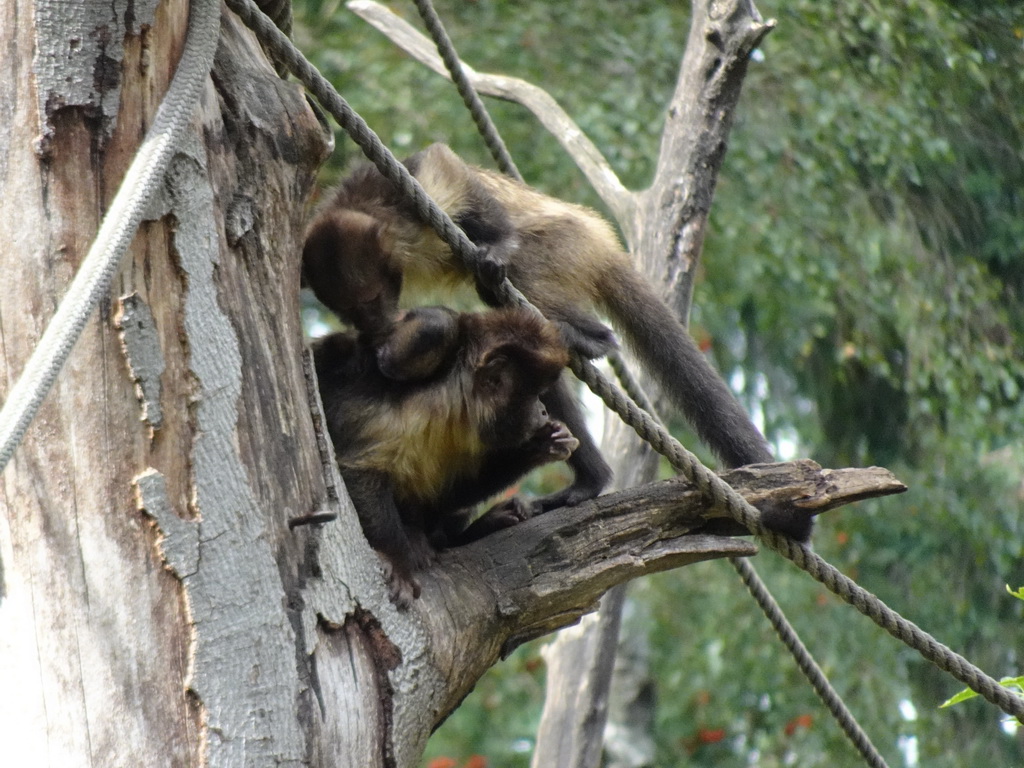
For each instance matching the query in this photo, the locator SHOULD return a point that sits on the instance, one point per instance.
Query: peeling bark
(141, 349)
(146, 556)
(80, 53)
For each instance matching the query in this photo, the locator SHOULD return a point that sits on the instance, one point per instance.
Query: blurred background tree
(862, 289)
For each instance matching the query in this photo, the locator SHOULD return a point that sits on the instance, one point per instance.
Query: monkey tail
(681, 370)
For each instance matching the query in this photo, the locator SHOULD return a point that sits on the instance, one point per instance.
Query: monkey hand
(421, 554)
(784, 518)
(552, 442)
(585, 486)
(399, 567)
(490, 271)
(492, 266)
(587, 337)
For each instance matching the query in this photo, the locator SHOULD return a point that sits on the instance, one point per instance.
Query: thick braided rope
(773, 612)
(631, 386)
(142, 180)
(713, 487)
(470, 98)
(726, 499)
(789, 637)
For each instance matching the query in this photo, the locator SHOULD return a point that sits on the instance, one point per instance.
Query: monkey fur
(435, 415)
(367, 240)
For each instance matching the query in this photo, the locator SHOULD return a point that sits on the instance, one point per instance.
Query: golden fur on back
(559, 241)
(425, 258)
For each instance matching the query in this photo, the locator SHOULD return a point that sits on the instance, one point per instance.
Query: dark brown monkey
(565, 258)
(434, 416)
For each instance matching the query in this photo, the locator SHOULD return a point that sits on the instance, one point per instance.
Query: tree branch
(694, 141)
(484, 599)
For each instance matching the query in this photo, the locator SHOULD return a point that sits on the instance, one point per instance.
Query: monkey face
(513, 357)
(510, 389)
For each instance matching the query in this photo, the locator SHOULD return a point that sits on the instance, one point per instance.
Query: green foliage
(864, 271)
(877, 165)
(964, 695)
(499, 718)
(1009, 682)
(409, 106)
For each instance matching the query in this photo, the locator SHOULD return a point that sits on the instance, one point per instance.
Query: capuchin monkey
(367, 241)
(434, 415)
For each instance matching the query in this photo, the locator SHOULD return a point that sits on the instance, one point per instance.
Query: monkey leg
(581, 331)
(373, 496)
(502, 468)
(502, 515)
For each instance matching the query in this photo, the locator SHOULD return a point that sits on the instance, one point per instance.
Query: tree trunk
(664, 229)
(160, 603)
(147, 562)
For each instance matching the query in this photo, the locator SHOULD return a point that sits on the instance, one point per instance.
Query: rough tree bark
(156, 607)
(146, 614)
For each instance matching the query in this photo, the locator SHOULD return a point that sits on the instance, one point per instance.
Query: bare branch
(694, 142)
(486, 598)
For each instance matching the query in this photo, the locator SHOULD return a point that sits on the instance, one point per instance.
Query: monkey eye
(493, 373)
(495, 364)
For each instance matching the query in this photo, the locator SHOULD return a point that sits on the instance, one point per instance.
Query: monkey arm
(591, 472)
(504, 466)
(504, 514)
(458, 188)
(553, 442)
(486, 224)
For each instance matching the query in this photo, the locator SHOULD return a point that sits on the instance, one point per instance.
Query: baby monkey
(434, 413)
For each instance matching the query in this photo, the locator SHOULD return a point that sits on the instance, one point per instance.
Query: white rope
(144, 177)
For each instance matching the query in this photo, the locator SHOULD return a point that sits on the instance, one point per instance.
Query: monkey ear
(494, 374)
